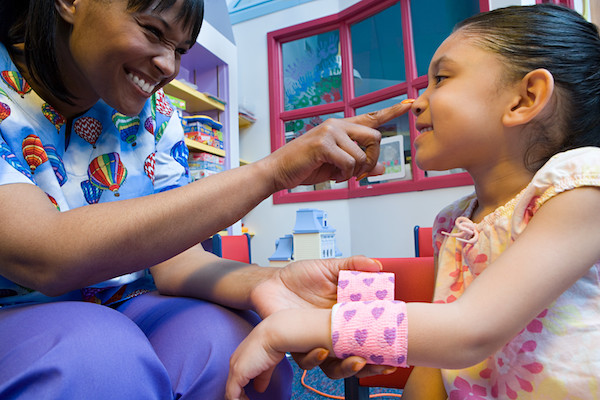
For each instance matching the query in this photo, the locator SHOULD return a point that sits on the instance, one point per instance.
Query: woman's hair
(34, 23)
(564, 43)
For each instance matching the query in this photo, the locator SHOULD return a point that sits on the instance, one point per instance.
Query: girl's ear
(534, 92)
(66, 9)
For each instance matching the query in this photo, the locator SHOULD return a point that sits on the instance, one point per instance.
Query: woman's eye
(439, 79)
(154, 31)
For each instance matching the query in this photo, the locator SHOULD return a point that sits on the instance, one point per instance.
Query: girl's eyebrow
(442, 60)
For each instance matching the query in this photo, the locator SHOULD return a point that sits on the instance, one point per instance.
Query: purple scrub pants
(150, 347)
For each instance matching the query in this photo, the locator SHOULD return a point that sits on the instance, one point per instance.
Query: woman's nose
(166, 62)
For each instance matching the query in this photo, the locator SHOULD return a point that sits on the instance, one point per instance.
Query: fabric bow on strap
(467, 231)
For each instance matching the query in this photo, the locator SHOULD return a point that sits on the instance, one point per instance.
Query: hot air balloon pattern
(90, 192)
(34, 152)
(163, 106)
(89, 129)
(149, 125)
(181, 153)
(107, 172)
(53, 116)
(127, 126)
(4, 111)
(149, 166)
(57, 164)
(160, 131)
(14, 80)
(53, 201)
(11, 158)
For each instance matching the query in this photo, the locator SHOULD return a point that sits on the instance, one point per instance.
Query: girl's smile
(464, 103)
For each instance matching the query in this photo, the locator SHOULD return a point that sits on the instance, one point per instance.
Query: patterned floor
(319, 381)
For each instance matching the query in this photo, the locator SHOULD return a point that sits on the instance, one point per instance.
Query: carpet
(318, 380)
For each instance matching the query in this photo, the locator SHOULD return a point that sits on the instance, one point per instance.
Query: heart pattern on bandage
(364, 286)
(367, 321)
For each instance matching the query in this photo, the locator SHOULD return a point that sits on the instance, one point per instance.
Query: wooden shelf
(244, 122)
(197, 146)
(195, 101)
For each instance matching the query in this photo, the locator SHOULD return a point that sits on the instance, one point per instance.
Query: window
(369, 56)
(566, 3)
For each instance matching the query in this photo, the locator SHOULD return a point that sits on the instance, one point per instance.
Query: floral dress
(557, 355)
(102, 156)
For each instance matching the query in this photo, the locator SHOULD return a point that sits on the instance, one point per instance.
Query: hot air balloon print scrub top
(105, 156)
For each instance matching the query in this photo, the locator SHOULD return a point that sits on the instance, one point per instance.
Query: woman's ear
(66, 9)
(534, 92)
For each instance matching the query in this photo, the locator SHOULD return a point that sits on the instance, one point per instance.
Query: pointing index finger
(376, 118)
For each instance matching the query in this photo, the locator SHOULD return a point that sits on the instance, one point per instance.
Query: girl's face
(120, 56)
(461, 109)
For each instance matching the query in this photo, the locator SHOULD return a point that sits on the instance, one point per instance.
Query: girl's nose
(417, 106)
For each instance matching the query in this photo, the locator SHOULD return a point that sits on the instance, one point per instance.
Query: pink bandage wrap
(366, 323)
(365, 286)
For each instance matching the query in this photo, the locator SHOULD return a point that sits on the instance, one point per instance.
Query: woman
(87, 209)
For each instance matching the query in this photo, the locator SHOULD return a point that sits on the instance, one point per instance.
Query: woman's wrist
(261, 294)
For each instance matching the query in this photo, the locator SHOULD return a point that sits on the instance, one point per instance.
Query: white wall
(374, 226)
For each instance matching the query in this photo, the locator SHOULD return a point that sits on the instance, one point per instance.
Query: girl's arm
(558, 247)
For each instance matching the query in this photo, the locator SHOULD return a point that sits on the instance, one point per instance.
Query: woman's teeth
(146, 87)
(426, 129)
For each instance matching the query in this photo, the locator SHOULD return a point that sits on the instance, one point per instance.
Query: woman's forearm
(197, 273)
(90, 244)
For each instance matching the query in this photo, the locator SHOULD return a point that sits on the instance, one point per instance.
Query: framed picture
(391, 155)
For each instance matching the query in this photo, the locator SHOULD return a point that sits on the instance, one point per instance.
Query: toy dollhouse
(311, 238)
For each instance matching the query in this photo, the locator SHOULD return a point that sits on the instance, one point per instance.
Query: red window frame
(566, 3)
(342, 22)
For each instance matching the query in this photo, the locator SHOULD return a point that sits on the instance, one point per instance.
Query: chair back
(423, 241)
(414, 283)
(232, 247)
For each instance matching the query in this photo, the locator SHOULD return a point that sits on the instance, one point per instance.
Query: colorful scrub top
(106, 157)
(557, 355)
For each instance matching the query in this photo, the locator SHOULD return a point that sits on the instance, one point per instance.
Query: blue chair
(423, 241)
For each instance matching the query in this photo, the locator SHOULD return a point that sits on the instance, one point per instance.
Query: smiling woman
(91, 146)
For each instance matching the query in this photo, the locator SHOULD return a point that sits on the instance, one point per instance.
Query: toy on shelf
(311, 238)
(204, 129)
(204, 164)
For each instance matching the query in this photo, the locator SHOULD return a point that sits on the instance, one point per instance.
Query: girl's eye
(439, 79)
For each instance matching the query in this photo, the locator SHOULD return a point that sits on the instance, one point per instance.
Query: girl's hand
(287, 330)
(254, 359)
(313, 284)
(335, 150)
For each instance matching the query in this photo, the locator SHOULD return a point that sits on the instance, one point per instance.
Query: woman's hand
(335, 150)
(313, 284)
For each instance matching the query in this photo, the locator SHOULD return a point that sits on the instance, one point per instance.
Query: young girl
(105, 291)
(513, 98)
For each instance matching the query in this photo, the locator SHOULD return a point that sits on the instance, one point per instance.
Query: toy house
(311, 238)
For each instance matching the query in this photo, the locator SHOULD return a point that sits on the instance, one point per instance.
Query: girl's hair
(564, 43)
(34, 23)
